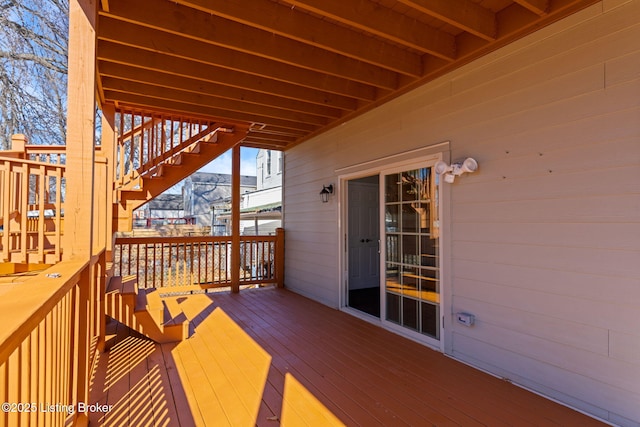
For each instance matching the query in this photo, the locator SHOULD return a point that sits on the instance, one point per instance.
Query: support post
(109, 151)
(235, 219)
(78, 236)
(279, 261)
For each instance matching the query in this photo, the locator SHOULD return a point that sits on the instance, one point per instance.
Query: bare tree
(33, 70)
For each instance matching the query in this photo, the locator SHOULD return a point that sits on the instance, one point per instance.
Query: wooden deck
(269, 357)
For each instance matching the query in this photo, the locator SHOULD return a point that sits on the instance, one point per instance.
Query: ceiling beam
(462, 14)
(300, 26)
(266, 114)
(161, 104)
(148, 61)
(539, 7)
(157, 78)
(382, 22)
(178, 47)
(190, 23)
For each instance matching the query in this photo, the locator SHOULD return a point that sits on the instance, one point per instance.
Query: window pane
(428, 251)
(410, 186)
(392, 188)
(393, 248)
(393, 278)
(410, 313)
(393, 307)
(430, 315)
(410, 281)
(410, 249)
(410, 218)
(391, 218)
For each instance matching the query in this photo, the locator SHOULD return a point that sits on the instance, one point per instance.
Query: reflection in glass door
(412, 285)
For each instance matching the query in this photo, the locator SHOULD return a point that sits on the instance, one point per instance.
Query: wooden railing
(163, 262)
(52, 154)
(31, 211)
(51, 330)
(147, 141)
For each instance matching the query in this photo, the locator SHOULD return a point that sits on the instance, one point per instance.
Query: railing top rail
(187, 239)
(32, 163)
(23, 307)
(45, 149)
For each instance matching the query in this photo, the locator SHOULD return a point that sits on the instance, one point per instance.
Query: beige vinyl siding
(544, 240)
(311, 243)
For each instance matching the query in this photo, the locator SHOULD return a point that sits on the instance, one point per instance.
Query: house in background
(164, 206)
(264, 206)
(261, 210)
(203, 190)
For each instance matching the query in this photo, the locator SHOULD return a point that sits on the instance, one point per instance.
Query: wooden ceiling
(293, 69)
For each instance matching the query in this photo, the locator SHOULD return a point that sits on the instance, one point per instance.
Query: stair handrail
(151, 140)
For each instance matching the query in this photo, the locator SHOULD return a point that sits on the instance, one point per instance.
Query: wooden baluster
(153, 266)
(41, 199)
(279, 257)
(200, 262)
(14, 369)
(4, 392)
(24, 358)
(146, 269)
(169, 264)
(56, 350)
(58, 213)
(6, 205)
(24, 210)
(185, 266)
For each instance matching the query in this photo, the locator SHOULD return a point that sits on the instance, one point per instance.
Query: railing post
(235, 220)
(279, 259)
(80, 129)
(108, 145)
(81, 339)
(19, 143)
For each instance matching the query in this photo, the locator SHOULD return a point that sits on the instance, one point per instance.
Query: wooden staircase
(153, 153)
(158, 152)
(145, 311)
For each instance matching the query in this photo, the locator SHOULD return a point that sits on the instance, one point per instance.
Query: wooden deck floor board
(382, 415)
(270, 357)
(324, 350)
(180, 391)
(292, 361)
(433, 390)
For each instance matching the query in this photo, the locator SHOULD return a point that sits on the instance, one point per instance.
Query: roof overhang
(291, 70)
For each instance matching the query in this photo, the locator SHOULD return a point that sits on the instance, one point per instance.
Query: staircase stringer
(148, 140)
(129, 200)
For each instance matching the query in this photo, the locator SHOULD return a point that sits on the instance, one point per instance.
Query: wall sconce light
(324, 193)
(455, 169)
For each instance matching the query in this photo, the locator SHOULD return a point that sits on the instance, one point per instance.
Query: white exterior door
(364, 235)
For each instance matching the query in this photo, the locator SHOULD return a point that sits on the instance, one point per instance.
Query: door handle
(365, 240)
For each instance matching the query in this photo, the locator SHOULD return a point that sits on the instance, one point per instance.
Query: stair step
(115, 284)
(177, 325)
(175, 315)
(129, 286)
(149, 301)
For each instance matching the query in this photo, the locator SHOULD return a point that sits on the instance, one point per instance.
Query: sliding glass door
(411, 251)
